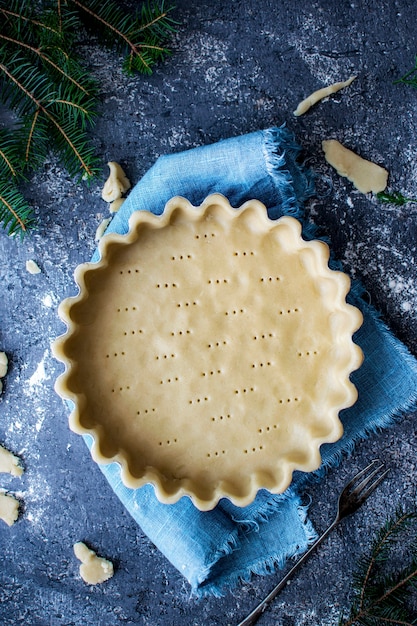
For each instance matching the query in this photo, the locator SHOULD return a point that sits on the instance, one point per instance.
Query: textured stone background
(235, 67)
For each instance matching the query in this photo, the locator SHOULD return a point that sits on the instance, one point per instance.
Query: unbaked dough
(3, 367)
(313, 98)
(32, 267)
(209, 320)
(3, 364)
(93, 569)
(117, 183)
(9, 508)
(365, 175)
(101, 228)
(116, 204)
(9, 463)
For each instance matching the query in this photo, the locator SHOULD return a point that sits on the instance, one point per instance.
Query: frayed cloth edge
(293, 181)
(265, 566)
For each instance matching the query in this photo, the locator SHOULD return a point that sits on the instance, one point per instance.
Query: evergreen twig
(381, 598)
(53, 98)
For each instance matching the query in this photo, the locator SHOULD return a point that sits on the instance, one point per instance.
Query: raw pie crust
(209, 351)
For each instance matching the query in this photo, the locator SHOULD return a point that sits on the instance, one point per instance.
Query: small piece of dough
(32, 267)
(116, 204)
(93, 569)
(117, 183)
(3, 364)
(9, 508)
(9, 463)
(101, 228)
(313, 98)
(365, 175)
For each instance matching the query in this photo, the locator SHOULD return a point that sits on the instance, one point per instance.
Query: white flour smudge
(39, 376)
(49, 300)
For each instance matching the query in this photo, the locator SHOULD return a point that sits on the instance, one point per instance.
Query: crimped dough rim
(240, 477)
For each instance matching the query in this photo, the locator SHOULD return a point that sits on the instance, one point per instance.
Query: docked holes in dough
(93, 569)
(313, 98)
(365, 175)
(117, 183)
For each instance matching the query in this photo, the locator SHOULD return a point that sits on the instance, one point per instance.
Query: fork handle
(253, 617)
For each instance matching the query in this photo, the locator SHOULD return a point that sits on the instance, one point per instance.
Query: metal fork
(351, 498)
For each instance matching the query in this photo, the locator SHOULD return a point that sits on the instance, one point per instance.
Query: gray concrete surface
(235, 67)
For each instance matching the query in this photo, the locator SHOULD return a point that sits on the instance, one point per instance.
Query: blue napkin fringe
(210, 585)
(294, 183)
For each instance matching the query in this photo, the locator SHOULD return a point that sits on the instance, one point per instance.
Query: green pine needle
(16, 216)
(410, 78)
(140, 38)
(396, 198)
(52, 96)
(381, 597)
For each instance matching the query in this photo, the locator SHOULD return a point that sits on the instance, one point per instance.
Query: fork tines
(360, 491)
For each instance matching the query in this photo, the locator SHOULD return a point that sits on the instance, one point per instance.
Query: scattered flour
(324, 68)
(39, 376)
(50, 300)
(37, 497)
(37, 393)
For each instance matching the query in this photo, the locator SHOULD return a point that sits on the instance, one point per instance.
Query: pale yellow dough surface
(32, 267)
(93, 569)
(117, 183)
(3, 364)
(318, 95)
(365, 175)
(9, 463)
(209, 351)
(9, 508)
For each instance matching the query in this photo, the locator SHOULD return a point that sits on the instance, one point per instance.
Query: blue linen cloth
(214, 550)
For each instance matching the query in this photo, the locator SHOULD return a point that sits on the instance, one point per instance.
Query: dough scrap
(117, 183)
(116, 204)
(365, 175)
(101, 228)
(3, 364)
(93, 569)
(318, 95)
(9, 508)
(32, 267)
(9, 463)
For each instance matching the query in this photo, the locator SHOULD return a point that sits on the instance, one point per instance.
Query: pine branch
(16, 217)
(51, 94)
(382, 598)
(63, 73)
(139, 38)
(15, 12)
(36, 103)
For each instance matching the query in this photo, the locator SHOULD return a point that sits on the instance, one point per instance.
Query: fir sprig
(381, 597)
(139, 39)
(53, 97)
